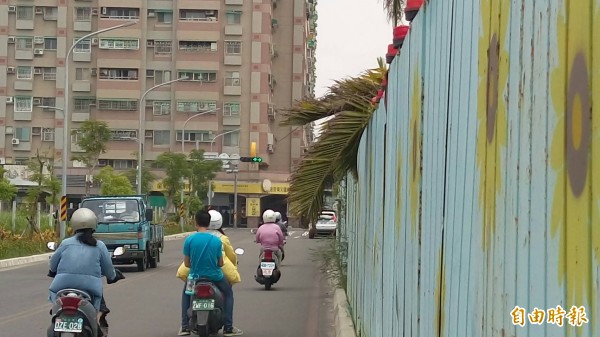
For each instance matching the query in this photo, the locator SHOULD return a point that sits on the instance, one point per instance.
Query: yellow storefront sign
(252, 206)
(250, 188)
(157, 185)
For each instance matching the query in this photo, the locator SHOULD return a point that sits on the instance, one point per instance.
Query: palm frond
(394, 10)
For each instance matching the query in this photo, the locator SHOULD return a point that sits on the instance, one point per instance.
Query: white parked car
(326, 225)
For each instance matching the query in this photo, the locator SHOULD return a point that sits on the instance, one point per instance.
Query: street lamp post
(211, 148)
(183, 151)
(141, 131)
(63, 224)
(235, 194)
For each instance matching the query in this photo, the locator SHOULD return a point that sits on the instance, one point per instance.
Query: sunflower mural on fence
(415, 157)
(491, 109)
(575, 151)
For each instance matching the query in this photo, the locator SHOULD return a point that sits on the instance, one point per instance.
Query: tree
(201, 172)
(7, 190)
(348, 105)
(41, 170)
(176, 168)
(113, 183)
(93, 139)
(394, 10)
(147, 178)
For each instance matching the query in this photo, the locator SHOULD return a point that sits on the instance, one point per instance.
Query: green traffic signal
(256, 159)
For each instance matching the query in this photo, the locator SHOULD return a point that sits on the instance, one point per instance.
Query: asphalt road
(148, 303)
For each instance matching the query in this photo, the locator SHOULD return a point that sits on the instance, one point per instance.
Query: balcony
(82, 86)
(24, 54)
(233, 87)
(235, 30)
(26, 85)
(82, 26)
(233, 60)
(25, 24)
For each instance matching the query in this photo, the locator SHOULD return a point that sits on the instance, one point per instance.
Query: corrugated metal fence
(479, 184)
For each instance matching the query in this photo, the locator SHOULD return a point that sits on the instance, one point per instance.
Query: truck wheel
(152, 260)
(141, 264)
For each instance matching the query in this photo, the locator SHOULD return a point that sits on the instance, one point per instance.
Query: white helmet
(216, 219)
(269, 216)
(277, 216)
(83, 218)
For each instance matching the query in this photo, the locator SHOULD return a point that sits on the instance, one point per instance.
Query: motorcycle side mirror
(239, 251)
(118, 251)
(51, 245)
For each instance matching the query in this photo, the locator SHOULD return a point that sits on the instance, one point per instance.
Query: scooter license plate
(267, 268)
(203, 305)
(68, 324)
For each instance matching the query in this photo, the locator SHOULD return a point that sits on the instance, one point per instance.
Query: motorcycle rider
(270, 237)
(281, 224)
(80, 261)
(203, 254)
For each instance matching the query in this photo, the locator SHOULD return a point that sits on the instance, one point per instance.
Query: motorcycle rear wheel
(268, 285)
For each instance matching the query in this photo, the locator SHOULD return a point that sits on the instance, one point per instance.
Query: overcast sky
(351, 34)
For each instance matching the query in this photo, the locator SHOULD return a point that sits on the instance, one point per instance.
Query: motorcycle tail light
(69, 304)
(268, 255)
(204, 291)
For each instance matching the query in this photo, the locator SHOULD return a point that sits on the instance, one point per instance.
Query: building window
(123, 134)
(24, 12)
(231, 139)
(198, 75)
(122, 164)
(83, 14)
(118, 74)
(23, 134)
(82, 104)
(164, 17)
(21, 161)
(24, 73)
(161, 76)
(162, 47)
(198, 15)
(47, 134)
(234, 17)
(50, 43)
(49, 101)
(128, 44)
(198, 46)
(232, 79)
(51, 13)
(118, 105)
(231, 109)
(120, 13)
(161, 108)
(84, 46)
(233, 47)
(23, 104)
(196, 106)
(82, 74)
(162, 137)
(24, 43)
(49, 73)
(196, 136)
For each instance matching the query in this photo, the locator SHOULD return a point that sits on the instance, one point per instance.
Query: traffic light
(251, 159)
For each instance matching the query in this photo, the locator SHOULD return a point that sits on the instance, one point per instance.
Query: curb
(17, 261)
(344, 326)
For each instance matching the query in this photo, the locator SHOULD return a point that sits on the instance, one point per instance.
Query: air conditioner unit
(94, 11)
(11, 39)
(38, 39)
(150, 43)
(36, 130)
(271, 112)
(39, 10)
(149, 133)
(94, 41)
(211, 18)
(93, 71)
(9, 100)
(209, 12)
(8, 130)
(213, 46)
(104, 10)
(38, 52)
(12, 9)
(10, 70)
(37, 101)
(15, 141)
(102, 162)
(37, 71)
(151, 13)
(2, 161)
(235, 81)
(270, 148)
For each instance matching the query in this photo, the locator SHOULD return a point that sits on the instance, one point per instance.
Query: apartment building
(243, 60)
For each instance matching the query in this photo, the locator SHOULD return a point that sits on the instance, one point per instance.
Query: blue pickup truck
(126, 221)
